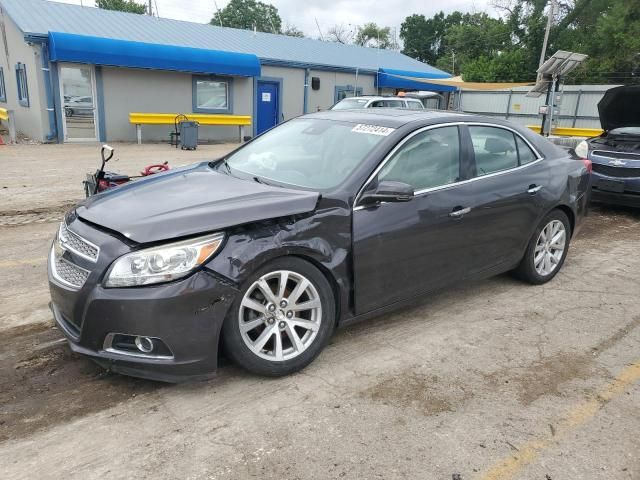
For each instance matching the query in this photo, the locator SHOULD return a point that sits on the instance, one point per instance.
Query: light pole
(552, 9)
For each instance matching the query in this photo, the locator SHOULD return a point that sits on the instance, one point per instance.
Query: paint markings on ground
(508, 468)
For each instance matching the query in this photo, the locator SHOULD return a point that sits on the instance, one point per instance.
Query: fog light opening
(144, 344)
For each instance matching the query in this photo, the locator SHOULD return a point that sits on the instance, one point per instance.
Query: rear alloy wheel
(282, 319)
(547, 249)
(550, 248)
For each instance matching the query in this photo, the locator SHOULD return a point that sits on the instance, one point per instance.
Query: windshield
(348, 103)
(626, 131)
(310, 153)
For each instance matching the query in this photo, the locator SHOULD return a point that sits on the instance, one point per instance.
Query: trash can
(188, 135)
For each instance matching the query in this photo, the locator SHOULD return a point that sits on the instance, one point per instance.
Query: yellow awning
(471, 85)
(462, 85)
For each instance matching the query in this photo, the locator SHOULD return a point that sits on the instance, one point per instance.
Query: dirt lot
(493, 380)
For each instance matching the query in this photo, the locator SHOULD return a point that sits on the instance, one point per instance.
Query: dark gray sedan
(325, 220)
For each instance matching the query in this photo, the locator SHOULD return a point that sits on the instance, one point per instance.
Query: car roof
(380, 97)
(391, 117)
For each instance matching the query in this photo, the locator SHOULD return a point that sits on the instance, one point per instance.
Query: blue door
(268, 100)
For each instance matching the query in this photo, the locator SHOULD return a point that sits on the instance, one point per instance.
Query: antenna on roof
(273, 26)
(218, 10)
(319, 31)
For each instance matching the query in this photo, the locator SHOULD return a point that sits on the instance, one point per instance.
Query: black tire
(234, 345)
(526, 271)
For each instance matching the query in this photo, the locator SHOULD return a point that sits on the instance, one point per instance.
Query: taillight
(587, 164)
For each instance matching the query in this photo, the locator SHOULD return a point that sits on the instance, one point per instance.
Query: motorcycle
(102, 180)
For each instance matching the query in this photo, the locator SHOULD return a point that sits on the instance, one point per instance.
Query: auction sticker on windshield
(373, 129)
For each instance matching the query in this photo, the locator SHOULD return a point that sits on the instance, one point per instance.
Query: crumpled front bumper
(186, 314)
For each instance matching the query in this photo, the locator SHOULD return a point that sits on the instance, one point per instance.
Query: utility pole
(150, 11)
(552, 9)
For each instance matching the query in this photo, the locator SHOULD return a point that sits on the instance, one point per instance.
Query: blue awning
(405, 79)
(67, 47)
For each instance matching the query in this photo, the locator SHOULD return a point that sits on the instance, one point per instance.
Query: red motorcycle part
(152, 169)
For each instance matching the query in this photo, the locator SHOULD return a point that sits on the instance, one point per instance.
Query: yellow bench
(7, 117)
(139, 119)
(570, 132)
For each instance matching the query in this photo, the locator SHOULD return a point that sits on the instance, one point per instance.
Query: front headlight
(163, 263)
(582, 150)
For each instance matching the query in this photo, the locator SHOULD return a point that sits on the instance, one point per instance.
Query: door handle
(459, 212)
(533, 189)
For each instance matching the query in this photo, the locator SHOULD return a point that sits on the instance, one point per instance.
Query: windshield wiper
(260, 180)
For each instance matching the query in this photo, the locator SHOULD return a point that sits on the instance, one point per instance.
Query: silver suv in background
(378, 102)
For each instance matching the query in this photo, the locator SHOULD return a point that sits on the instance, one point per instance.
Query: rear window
(349, 103)
(415, 105)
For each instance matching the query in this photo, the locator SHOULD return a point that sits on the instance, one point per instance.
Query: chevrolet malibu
(325, 220)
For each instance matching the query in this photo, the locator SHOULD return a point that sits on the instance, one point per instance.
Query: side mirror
(388, 191)
(106, 149)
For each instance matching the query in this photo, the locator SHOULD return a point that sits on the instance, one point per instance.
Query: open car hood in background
(620, 107)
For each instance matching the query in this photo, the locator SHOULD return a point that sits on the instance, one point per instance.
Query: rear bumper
(624, 199)
(186, 315)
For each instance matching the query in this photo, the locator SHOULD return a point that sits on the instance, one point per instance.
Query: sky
(304, 13)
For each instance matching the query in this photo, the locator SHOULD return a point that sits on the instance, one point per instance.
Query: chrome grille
(76, 244)
(617, 155)
(67, 273)
(620, 172)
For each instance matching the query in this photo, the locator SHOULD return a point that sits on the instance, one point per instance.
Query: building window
(23, 88)
(212, 95)
(3, 90)
(344, 91)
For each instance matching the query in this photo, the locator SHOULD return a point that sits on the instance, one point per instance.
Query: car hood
(189, 201)
(620, 107)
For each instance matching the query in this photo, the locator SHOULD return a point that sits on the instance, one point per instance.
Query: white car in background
(378, 102)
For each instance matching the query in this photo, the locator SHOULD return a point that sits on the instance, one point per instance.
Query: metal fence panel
(578, 107)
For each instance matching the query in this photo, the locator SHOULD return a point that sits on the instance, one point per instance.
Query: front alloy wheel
(280, 315)
(281, 319)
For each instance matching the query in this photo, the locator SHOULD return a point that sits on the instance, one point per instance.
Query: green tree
(504, 67)
(129, 6)
(424, 38)
(249, 14)
(476, 35)
(371, 35)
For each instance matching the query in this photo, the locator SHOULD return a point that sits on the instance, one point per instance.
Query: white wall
(323, 98)
(31, 121)
(151, 91)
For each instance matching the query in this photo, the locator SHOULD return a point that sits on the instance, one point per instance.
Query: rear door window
(494, 149)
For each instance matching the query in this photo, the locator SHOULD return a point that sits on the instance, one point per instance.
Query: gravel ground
(492, 380)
